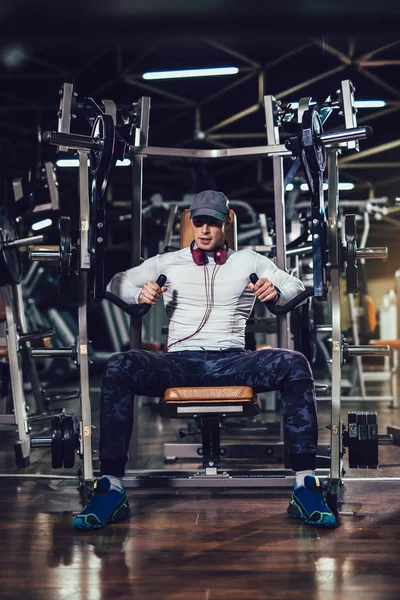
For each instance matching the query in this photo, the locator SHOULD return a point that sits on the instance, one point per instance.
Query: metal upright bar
(141, 139)
(27, 359)
(334, 259)
(279, 206)
(22, 447)
(86, 416)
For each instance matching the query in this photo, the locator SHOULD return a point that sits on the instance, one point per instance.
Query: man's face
(208, 233)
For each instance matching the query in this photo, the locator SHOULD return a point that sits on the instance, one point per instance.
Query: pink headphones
(200, 256)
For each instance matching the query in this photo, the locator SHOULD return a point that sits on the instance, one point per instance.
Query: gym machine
(105, 146)
(18, 339)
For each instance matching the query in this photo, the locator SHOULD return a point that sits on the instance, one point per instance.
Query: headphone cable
(209, 304)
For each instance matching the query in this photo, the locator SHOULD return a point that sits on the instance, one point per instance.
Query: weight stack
(363, 440)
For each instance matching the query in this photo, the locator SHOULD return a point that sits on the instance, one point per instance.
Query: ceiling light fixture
(74, 162)
(184, 73)
(357, 104)
(41, 224)
(342, 186)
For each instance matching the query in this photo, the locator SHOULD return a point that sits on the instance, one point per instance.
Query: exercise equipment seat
(209, 406)
(190, 402)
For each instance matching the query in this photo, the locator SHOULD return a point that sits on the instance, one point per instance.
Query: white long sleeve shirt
(186, 301)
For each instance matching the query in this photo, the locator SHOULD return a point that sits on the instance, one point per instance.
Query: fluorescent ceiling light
(42, 224)
(74, 162)
(290, 187)
(190, 73)
(369, 103)
(342, 186)
(357, 104)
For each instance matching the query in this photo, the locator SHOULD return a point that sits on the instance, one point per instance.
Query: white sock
(301, 475)
(116, 482)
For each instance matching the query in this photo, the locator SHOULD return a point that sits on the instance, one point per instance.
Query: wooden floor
(198, 545)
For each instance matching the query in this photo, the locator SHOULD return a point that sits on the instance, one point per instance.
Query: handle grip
(283, 310)
(134, 310)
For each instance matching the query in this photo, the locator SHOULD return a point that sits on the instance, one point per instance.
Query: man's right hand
(151, 292)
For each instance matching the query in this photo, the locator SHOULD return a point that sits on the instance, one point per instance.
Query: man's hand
(151, 292)
(264, 290)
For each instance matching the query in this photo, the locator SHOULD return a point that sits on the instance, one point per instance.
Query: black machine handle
(283, 310)
(134, 310)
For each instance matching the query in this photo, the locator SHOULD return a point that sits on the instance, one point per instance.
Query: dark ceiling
(282, 48)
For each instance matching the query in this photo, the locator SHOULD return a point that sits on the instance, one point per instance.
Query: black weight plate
(101, 159)
(10, 258)
(56, 443)
(64, 225)
(69, 442)
(315, 152)
(351, 254)
(352, 427)
(372, 424)
(334, 495)
(101, 164)
(303, 330)
(363, 442)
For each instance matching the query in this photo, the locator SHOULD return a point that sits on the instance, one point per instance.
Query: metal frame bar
(17, 386)
(334, 241)
(141, 139)
(82, 343)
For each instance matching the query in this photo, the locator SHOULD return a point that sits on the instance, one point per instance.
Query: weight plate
(351, 254)
(314, 149)
(69, 442)
(10, 258)
(303, 330)
(64, 226)
(102, 160)
(334, 495)
(56, 443)
(373, 440)
(363, 440)
(353, 446)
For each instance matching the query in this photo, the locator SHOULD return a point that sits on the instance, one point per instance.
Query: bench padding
(232, 400)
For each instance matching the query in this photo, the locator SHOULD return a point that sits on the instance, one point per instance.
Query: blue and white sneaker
(106, 506)
(308, 503)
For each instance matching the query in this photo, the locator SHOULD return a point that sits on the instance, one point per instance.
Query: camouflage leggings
(150, 374)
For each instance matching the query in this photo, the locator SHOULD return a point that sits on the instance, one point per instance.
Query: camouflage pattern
(150, 374)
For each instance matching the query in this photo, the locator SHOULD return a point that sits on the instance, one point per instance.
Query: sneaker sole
(296, 512)
(315, 523)
(116, 516)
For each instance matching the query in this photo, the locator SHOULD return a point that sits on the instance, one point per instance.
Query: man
(208, 299)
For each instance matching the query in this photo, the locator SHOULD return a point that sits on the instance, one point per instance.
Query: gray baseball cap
(210, 203)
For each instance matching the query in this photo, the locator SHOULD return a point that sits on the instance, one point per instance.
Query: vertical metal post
(22, 447)
(334, 259)
(84, 266)
(27, 360)
(141, 139)
(397, 289)
(279, 206)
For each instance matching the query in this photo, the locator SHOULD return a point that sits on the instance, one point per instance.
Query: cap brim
(208, 212)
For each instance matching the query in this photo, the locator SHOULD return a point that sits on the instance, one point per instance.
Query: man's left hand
(264, 290)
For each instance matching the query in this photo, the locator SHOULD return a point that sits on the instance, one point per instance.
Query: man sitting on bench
(208, 299)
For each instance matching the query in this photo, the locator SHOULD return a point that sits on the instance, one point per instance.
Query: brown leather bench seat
(188, 402)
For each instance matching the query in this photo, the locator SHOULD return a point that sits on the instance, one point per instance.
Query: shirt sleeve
(288, 285)
(127, 285)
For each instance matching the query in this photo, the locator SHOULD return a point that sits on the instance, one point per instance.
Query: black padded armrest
(283, 310)
(134, 310)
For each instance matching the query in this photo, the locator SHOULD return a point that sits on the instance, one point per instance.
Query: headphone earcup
(198, 256)
(221, 256)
